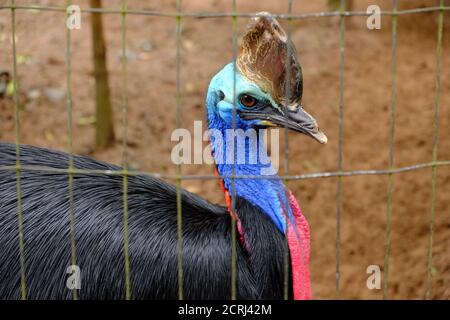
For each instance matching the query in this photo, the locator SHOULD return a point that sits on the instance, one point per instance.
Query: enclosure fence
(178, 16)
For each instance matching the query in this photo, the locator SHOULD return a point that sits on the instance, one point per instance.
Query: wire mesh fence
(341, 173)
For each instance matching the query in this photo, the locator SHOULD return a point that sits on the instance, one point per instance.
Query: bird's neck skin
(268, 194)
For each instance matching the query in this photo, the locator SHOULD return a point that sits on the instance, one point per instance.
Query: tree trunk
(104, 135)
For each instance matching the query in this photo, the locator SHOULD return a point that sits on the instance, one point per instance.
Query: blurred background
(206, 46)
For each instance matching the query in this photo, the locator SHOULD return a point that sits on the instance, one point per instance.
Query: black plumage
(99, 236)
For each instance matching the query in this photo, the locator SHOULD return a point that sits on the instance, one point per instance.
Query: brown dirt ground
(206, 46)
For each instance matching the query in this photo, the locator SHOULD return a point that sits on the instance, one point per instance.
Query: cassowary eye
(248, 101)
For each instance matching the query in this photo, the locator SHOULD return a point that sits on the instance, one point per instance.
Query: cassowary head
(266, 86)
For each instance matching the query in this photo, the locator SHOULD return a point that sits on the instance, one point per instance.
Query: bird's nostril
(310, 125)
(221, 95)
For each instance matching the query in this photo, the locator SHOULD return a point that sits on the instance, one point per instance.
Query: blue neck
(267, 194)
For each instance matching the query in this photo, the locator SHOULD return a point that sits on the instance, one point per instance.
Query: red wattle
(299, 250)
(228, 200)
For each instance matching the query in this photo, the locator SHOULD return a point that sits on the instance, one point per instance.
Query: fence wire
(124, 11)
(436, 117)
(340, 163)
(286, 159)
(390, 181)
(179, 176)
(73, 247)
(233, 171)
(200, 15)
(123, 41)
(23, 285)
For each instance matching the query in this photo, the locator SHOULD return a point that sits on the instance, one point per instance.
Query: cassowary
(264, 89)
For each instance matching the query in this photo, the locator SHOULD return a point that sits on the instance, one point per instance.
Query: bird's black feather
(99, 236)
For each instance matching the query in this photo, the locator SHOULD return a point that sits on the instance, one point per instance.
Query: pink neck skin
(299, 250)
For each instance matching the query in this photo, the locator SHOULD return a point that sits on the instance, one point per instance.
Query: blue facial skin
(267, 194)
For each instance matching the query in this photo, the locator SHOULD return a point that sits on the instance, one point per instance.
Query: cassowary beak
(296, 119)
(268, 58)
(301, 121)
